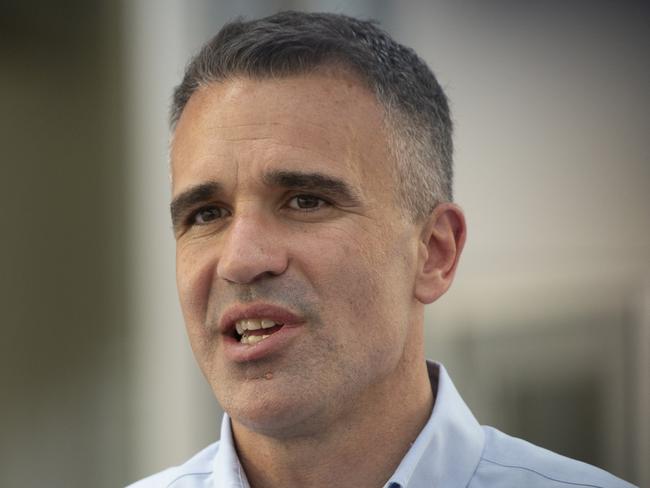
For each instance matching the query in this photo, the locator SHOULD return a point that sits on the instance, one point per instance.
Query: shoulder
(508, 461)
(193, 473)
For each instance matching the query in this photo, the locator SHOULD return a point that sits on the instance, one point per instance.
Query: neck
(362, 448)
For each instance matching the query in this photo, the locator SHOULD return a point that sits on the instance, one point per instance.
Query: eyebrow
(188, 199)
(313, 181)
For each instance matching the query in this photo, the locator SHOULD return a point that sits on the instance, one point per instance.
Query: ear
(441, 243)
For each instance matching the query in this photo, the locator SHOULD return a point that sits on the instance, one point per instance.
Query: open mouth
(254, 331)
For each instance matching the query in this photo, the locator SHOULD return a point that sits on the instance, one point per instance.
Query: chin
(275, 413)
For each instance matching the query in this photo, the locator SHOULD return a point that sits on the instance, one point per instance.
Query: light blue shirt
(451, 451)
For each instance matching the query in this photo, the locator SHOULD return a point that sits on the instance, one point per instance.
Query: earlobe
(441, 243)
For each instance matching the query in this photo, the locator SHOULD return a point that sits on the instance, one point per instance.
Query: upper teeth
(253, 324)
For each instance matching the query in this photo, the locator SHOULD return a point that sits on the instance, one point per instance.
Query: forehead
(323, 120)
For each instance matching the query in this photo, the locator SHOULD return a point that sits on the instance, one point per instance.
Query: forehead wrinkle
(289, 154)
(308, 130)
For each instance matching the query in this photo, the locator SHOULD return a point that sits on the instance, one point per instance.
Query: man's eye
(306, 202)
(208, 214)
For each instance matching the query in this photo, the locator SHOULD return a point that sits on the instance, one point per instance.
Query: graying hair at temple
(416, 111)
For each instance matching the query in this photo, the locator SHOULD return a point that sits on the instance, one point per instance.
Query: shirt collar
(445, 453)
(449, 447)
(228, 471)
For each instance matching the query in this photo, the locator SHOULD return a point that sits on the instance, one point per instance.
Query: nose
(252, 250)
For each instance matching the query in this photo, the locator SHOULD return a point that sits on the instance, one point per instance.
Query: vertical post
(642, 448)
(159, 397)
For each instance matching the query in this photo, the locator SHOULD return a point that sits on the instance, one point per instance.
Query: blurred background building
(546, 330)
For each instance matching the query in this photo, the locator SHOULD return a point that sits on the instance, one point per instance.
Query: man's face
(285, 216)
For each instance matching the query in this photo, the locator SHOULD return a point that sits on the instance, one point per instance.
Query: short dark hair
(416, 110)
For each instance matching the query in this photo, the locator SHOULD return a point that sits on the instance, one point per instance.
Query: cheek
(349, 271)
(194, 272)
(366, 324)
(195, 267)
(380, 273)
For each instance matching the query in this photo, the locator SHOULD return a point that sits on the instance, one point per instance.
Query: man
(312, 209)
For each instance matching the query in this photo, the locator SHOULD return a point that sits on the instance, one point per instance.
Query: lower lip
(240, 353)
